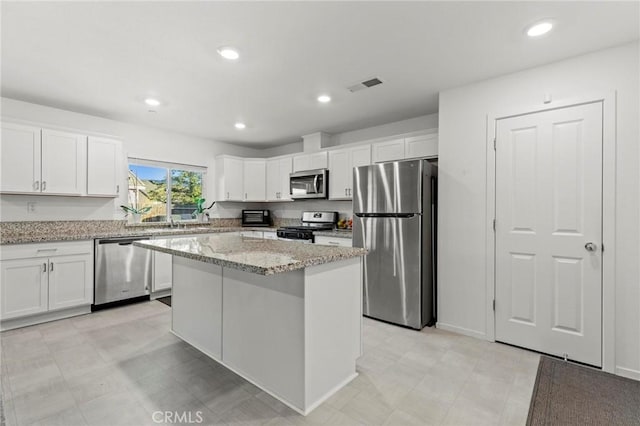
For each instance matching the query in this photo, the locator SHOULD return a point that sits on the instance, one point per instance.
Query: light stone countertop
(259, 256)
(41, 232)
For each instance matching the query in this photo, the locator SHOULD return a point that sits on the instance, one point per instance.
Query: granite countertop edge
(146, 232)
(340, 253)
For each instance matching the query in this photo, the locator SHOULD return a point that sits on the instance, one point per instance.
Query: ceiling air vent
(365, 84)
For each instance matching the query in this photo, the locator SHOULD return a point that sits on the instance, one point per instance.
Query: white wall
(138, 141)
(462, 184)
(424, 122)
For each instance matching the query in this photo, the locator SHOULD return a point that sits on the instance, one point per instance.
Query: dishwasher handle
(122, 241)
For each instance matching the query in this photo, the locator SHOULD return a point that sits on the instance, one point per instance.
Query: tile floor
(117, 367)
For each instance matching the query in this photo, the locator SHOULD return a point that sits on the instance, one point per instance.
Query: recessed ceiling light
(240, 126)
(228, 53)
(152, 102)
(540, 28)
(324, 98)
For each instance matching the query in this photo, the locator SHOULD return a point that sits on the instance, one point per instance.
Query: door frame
(608, 100)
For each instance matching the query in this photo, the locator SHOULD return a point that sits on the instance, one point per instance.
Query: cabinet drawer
(25, 251)
(333, 241)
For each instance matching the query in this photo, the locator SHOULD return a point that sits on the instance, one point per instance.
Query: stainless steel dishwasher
(122, 271)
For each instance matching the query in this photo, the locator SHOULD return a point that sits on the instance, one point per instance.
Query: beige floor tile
(343, 396)
(79, 360)
(250, 412)
(400, 418)
(42, 402)
(367, 410)
(120, 408)
(69, 417)
(429, 409)
(96, 383)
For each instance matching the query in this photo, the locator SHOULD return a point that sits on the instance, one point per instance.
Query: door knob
(591, 247)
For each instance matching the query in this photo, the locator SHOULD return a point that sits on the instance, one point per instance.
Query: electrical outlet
(31, 207)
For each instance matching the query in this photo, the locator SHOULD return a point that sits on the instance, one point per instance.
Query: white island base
(296, 335)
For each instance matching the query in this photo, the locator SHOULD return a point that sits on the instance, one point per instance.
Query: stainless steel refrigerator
(394, 207)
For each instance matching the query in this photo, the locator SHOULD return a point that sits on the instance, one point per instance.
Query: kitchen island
(286, 316)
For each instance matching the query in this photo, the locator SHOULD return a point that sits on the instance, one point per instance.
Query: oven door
(308, 184)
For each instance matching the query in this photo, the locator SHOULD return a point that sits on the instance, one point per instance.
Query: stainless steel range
(311, 221)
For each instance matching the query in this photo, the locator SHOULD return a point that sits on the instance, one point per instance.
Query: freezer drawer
(393, 270)
(122, 271)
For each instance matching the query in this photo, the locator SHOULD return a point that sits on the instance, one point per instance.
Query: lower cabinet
(39, 278)
(333, 241)
(162, 271)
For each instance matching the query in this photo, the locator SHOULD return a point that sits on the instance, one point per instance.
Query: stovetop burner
(311, 221)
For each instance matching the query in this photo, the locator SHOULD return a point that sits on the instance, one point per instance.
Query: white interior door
(549, 232)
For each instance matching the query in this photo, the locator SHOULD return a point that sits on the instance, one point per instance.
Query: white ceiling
(104, 58)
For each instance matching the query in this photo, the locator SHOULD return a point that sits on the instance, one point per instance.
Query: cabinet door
(103, 165)
(333, 241)
(302, 162)
(162, 271)
(269, 235)
(24, 287)
(70, 281)
(233, 179)
(285, 171)
(339, 174)
(254, 180)
(20, 159)
(273, 180)
(387, 151)
(63, 163)
(319, 160)
(421, 146)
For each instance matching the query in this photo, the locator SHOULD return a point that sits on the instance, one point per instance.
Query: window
(169, 190)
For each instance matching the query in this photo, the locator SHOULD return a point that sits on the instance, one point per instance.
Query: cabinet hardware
(333, 243)
(245, 195)
(227, 195)
(44, 185)
(44, 267)
(51, 267)
(117, 189)
(36, 186)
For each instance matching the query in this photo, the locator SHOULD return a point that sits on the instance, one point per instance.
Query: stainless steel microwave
(309, 184)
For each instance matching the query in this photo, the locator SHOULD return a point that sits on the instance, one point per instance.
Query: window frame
(168, 168)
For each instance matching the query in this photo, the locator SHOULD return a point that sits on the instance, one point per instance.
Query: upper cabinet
(421, 146)
(254, 180)
(103, 167)
(341, 164)
(20, 159)
(230, 178)
(277, 176)
(64, 163)
(405, 148)
(41, 161)
(316, 160)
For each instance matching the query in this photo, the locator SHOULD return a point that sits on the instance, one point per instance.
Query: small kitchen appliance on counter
(311, 221)
(256, 218)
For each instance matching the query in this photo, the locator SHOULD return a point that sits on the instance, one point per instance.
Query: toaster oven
(256, 218)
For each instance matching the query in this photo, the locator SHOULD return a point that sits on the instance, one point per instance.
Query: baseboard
(461, 330)
(10, 324)
(161, 293)
(628, 373)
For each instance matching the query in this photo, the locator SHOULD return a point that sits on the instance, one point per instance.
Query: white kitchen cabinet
(252, 234)
(42, 161)
(230, 178)
(341, 164)
(70, 281)
(316, 160)
(162, 271)
(104, 157)
(40, 278)
(20, 159)
(270, 235)
(277, 176)
(254, 173)
(421, 146)
(64, 163)
(392, 150)
(333, 241)
(25, 287)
